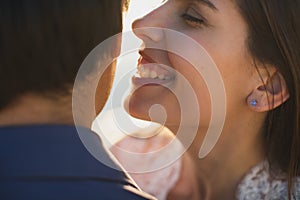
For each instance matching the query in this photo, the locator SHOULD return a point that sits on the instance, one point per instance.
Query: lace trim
(260, 184)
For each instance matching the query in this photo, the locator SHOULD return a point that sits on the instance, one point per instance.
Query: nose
(149, 26)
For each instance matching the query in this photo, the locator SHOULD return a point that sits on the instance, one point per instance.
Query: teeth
(153, 74)
(141, 71)
(161, 77)
(147, 73)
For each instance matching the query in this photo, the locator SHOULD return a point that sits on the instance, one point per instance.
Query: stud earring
(253, 103)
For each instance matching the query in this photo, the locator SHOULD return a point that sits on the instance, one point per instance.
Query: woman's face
(220, 29)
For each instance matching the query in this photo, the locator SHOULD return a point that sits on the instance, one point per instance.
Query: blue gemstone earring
(253, 103)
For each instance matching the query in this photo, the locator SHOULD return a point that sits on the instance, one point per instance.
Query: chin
(136, 108)
(139, 107)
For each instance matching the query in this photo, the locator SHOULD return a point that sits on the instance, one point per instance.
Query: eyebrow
(208, 3)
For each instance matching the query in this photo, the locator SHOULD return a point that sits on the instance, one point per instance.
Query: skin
(223, 34)
(162, 183)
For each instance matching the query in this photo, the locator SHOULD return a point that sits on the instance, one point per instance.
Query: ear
(269, 95)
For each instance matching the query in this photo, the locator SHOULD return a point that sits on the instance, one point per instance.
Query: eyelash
(192, 19)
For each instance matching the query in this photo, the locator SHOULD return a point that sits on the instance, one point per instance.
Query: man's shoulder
(43, 160)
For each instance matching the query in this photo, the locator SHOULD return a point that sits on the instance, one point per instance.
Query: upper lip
(147, 57)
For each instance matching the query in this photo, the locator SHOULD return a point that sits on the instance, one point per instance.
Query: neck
(235, 153)
(37, 109)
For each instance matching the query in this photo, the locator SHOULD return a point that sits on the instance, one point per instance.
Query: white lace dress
(260, 184)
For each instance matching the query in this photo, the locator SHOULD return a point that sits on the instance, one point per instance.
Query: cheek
(237, 74)
(196, 85)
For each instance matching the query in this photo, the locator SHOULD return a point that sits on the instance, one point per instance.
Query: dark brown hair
(43, 43)
(274, 38)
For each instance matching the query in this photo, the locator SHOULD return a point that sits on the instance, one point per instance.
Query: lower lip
(138, 81)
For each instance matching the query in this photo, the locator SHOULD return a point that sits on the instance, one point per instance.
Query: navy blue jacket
(44, 162)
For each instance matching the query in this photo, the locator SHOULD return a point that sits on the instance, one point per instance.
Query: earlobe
(270, 95)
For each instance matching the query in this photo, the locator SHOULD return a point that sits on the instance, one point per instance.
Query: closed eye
(191, 18)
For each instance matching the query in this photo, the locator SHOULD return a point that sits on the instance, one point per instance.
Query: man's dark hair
(43, 43)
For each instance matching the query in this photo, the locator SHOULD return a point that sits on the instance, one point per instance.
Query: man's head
(43, 43)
